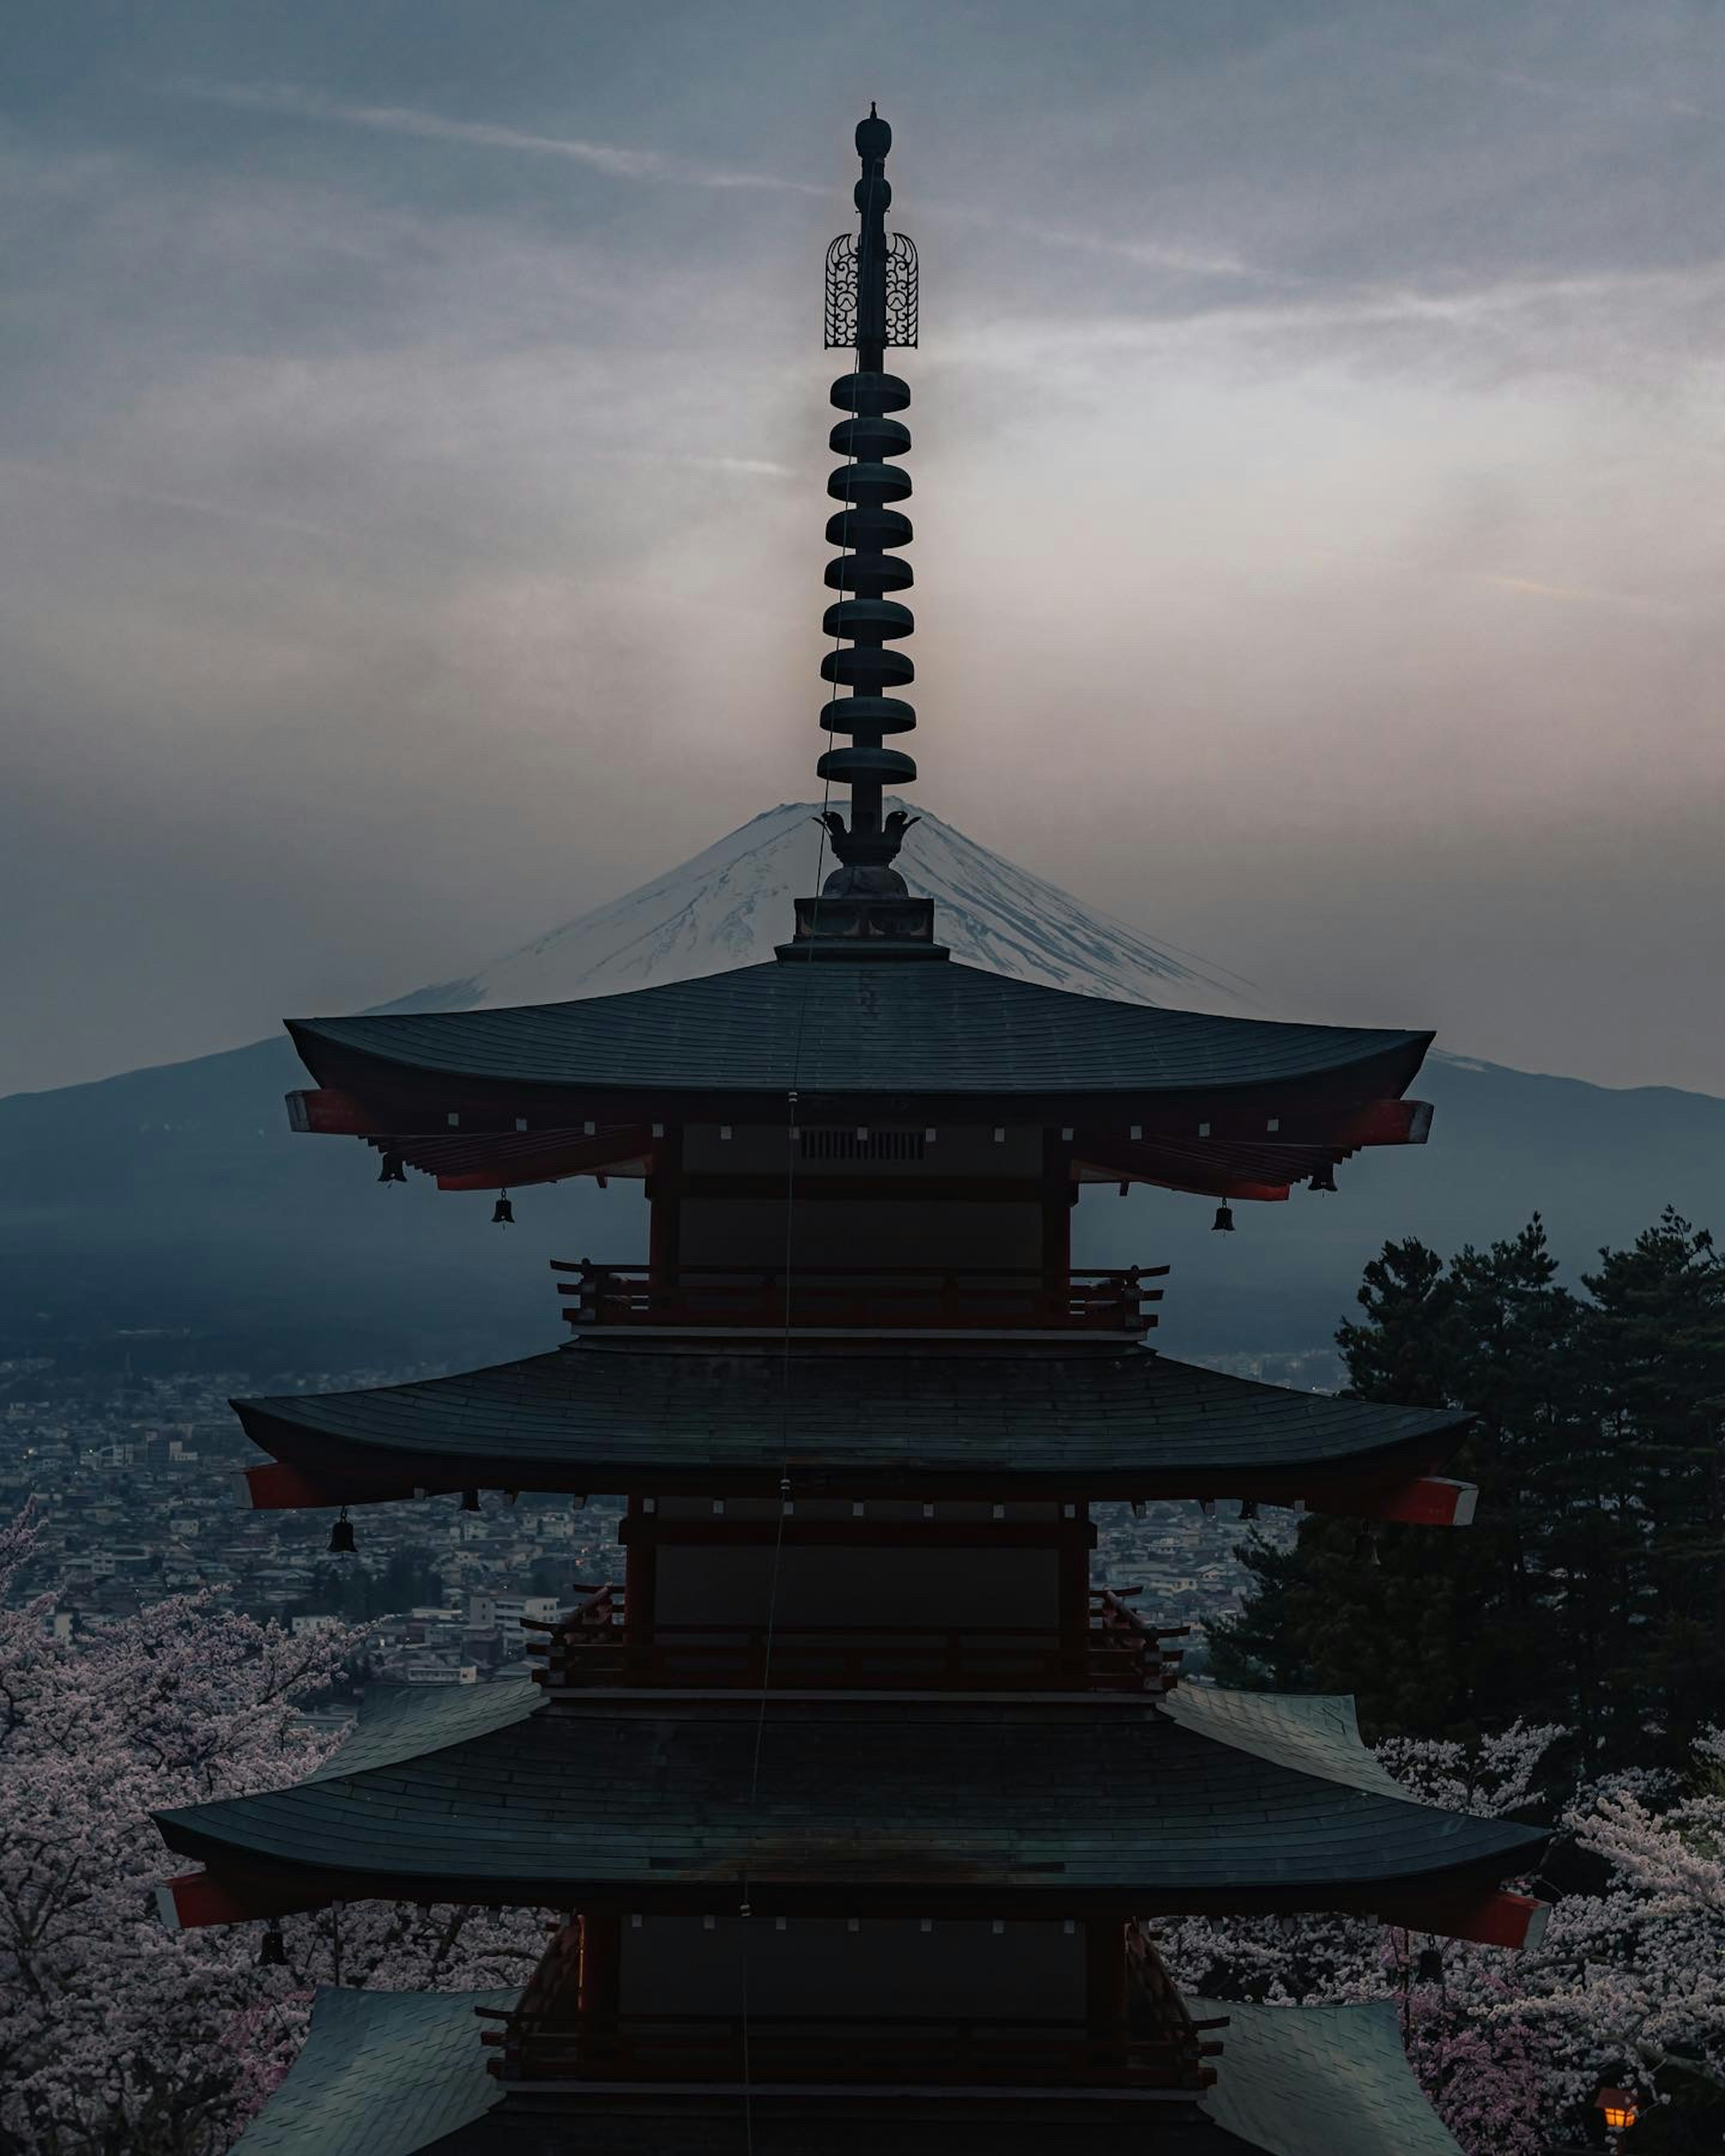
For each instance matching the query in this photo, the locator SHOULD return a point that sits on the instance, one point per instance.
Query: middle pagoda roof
(1205, 1800)
(1094, 1422)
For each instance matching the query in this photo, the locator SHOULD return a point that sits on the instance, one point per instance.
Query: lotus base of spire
(864, 924)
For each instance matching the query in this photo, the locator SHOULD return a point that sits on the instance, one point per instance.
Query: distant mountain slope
(176, 1198)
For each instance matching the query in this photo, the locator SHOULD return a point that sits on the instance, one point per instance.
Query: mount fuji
(168, 1215)
(730, 906)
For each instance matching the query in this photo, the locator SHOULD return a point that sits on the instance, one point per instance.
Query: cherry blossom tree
(1627, 1987)
(117, 2037)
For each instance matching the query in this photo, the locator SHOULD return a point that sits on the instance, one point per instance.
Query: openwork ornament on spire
(848, 322)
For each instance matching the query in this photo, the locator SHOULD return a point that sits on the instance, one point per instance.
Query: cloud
(154, 497)
(292, 102)
(1300, 434)
(1582, 595)
(1593, 94)
(1146, 253)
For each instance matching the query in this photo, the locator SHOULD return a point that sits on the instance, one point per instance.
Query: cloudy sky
(411, 419)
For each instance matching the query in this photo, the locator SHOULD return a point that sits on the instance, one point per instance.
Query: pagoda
(859, 1797)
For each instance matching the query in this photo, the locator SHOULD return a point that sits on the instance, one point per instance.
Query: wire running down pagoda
(860, 1795)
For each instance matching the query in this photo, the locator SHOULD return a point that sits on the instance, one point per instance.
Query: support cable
(793, 1148)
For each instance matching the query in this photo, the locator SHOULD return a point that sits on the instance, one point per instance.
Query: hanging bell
(273, 1953)
(1249, 1508)
(470, 1500)
(1223, 1224)
(1323, 1179)
(342, 1542)
(392, 1170)
(1430, 1966)
(503, 1213)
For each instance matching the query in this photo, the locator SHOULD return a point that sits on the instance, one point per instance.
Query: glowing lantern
(1618, 2106)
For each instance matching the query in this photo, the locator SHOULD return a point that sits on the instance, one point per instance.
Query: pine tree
(1436, 1634)
(1654, 1352)
(1591, 1590)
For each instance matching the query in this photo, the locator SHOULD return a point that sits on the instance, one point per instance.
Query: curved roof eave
(592, 1417)
(1054, 1804)
(925, 1033)
(387, 2073)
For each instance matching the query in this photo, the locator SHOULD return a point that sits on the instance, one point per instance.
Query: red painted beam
(332, 1113)
(1381, 1123)
(198, 1899)
(1512, 1921)
(330, 1110)
(278, 1488)
(1432, 1500)
(422, 1134)
(1147, 1169)
(1338, 1130)
(577, 1156)
(493, 1150)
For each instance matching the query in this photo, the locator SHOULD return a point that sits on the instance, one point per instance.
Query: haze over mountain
(174, 1200)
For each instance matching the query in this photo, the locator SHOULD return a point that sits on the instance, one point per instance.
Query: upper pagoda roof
(1097, 1422)
(402, 2073)
(943, 1805)
(922, 1034)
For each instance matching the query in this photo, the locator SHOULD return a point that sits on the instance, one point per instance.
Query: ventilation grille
(862, 1144)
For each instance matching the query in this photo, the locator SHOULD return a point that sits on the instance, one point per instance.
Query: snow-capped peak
(729, 907)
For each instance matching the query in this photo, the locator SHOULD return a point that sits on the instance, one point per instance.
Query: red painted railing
(938, 1298)
(592, 1647)
(901, 2049)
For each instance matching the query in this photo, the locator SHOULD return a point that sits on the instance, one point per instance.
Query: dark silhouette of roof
(604, 1415)
(920, 1031)
(395, 2073)
(483, 1795)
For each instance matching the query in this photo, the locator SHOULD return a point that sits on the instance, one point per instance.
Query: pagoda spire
(871, 304)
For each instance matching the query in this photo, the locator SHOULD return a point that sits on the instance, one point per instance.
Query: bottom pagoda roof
(1205, 1800)
(392, 2073)
(1084, 1422)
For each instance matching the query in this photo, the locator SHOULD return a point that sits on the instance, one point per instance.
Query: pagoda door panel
(935, 1590)
(833, 1968)
(843, 1233)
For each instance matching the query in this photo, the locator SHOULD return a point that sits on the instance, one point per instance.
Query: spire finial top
(874, 137)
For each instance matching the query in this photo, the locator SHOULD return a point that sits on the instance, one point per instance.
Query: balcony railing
(944, 1299)
(593, 1649)
(899, 2050)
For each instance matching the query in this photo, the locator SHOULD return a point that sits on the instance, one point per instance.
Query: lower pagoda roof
(395, 2073)
(1095, 1422)
(1208, 1800)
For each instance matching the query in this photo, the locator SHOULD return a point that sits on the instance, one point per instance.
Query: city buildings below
(139, 1486)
